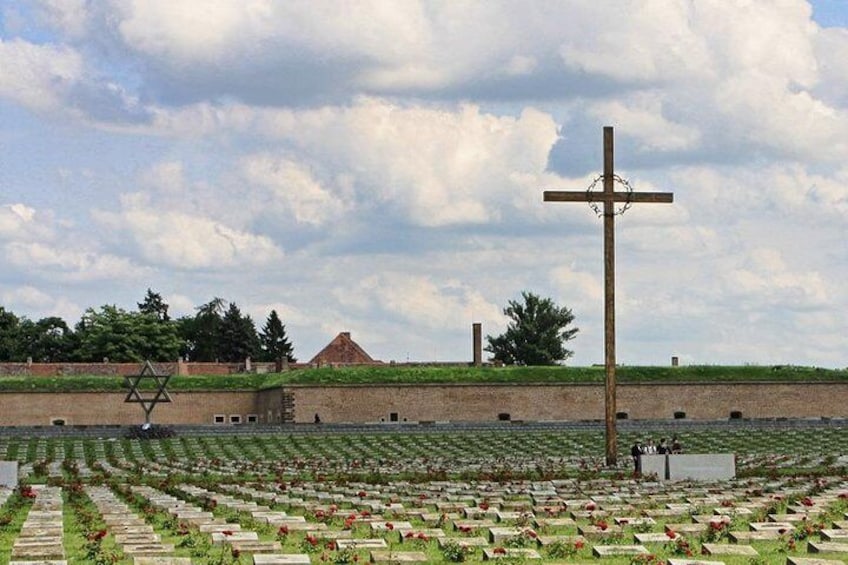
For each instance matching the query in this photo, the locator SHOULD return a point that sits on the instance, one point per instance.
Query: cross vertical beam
(610, 436)
(609, 197)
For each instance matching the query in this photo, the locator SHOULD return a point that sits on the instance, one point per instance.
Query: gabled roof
(342, 350)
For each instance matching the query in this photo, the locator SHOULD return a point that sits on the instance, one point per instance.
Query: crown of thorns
(595, 204)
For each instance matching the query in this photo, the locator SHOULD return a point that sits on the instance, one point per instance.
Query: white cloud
(68, 263)
(19, 222)
(37, 76)
(186, 241)
(293, 186)
(642, 117)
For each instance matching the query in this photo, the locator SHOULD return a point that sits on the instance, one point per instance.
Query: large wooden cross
(609, 197)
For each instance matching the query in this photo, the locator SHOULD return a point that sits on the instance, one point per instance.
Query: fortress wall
(413, 403)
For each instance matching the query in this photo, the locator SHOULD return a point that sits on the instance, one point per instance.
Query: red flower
(578, 544)
(602, 525)
(390, 526)
(331, 545)
(410, 534)
(422, 536)
(362, 494)
(97, 536)
(532, 534)
(227, 532)
(807, 501)
(484, 505)
(590, 506)
(499, 551)
(312, 540)
(236, 553)
(670, 534)
(283, 531)
(422, 496)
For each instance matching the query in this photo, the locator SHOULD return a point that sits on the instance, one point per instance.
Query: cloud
(294, 191)
(19, 221)
(38, 76)
(68, 263)
(185, 241)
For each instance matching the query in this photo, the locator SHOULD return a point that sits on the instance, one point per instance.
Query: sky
(378, 166)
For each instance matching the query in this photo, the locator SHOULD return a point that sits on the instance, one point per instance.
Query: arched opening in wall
(504, 417)
(57, 422)
(621, 415)
(736, 415)
(679, 415)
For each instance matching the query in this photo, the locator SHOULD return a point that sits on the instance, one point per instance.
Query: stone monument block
(701, 466)
(654, 465)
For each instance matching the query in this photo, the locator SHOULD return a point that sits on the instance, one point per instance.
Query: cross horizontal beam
(584, 196)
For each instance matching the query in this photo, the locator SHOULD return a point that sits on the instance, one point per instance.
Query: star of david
(151, 399)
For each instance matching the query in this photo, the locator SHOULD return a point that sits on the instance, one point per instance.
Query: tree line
(218, 331)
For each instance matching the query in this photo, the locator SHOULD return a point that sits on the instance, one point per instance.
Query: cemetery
(421, 495)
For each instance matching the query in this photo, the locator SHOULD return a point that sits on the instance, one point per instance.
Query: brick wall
(369, 403)
(481, 403)
(102, 408)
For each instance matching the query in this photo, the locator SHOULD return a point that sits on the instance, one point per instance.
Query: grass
(405, 375)
(401, 467)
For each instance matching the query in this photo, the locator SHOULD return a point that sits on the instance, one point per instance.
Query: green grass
(436, 375)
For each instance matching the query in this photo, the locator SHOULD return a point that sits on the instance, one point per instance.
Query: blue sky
(378, 168)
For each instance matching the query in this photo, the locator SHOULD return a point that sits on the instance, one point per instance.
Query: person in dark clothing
(663, 448)
(636, 454)
(676, 446)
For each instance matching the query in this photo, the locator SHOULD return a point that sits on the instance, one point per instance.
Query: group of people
(664, 448)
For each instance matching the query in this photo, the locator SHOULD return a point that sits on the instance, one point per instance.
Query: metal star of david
(147, 402)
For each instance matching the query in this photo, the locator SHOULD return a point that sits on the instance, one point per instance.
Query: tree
(48, 340)
(274, 343)
(153, 304)
(9, 336)
(202, 333)
(536, 335)
(237, 336)
(123, 336)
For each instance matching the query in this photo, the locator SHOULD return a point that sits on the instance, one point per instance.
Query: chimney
(477, 332)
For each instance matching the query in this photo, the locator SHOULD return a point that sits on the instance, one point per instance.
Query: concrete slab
(281, 559)
(398, 557)
(614, 550)
(701, 467)
(826, 547)
(728, 549)
(511, 553)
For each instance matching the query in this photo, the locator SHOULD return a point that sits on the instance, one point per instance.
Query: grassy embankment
(424, 374)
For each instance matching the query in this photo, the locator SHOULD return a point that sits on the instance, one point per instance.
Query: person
(317, 419)
(676, 446)
(636, 453)
(663, 448)
(650, 449)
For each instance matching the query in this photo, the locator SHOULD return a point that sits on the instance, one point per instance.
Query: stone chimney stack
(477, 332)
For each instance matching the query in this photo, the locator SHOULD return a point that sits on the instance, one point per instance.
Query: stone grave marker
(9, 474)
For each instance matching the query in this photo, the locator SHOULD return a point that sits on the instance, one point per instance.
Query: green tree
(9, 336)
(122, 336)
(274, 343)
(237, 336)
(536, 334)
(49, 340)
(201, 333)
(153, 304)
